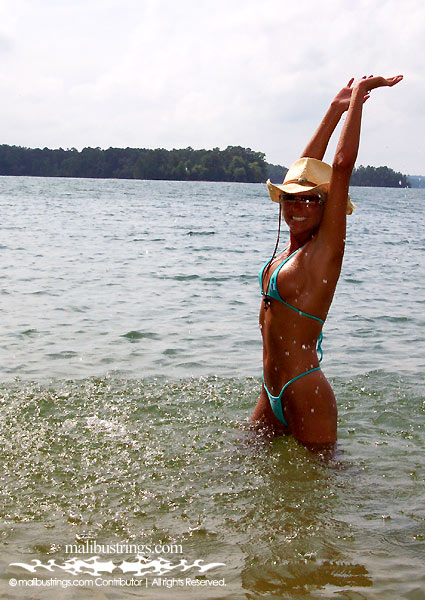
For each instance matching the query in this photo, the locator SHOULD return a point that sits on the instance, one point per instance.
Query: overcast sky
(210, 73)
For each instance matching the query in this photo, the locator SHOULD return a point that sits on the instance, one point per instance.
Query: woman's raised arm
(316, 147)
(348, 145)
(332, 227)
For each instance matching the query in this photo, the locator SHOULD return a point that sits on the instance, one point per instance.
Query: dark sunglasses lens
(306, 200)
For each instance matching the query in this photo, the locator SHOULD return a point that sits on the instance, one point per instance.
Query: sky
(210, 73)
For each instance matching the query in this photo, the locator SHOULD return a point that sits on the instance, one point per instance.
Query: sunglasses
(305, 200)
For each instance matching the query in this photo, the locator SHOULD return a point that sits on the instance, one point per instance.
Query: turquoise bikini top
(273, 293)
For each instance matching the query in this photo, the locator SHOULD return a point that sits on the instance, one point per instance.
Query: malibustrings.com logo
(144, 565)
(92, 547)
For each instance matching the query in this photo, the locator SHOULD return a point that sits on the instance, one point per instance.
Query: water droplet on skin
(281, 337)
(312, 410)
(303, 347)
(325, 281)
(286, 353)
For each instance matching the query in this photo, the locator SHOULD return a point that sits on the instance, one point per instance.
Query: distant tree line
(416, 181)
(379, 177)
(276, 173)
(232, 164)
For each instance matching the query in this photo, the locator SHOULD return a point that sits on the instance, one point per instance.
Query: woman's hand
(371, 83)
(343, 97)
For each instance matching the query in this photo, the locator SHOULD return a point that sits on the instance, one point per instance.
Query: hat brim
(275, 191)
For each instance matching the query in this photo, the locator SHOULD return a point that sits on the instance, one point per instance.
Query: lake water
(130, 365)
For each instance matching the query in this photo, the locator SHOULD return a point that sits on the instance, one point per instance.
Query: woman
(299, 283)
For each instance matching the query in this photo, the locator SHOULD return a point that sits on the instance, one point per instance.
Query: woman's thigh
(310, 410)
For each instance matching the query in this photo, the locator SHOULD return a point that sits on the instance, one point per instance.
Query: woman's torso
(306, 282)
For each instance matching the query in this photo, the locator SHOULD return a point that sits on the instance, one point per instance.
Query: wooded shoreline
(234, 163)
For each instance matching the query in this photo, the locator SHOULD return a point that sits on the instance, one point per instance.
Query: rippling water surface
(130, 362)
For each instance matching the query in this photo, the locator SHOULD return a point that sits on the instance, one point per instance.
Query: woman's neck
(299, 240)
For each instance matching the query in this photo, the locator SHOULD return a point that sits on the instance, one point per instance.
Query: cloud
(208, 73)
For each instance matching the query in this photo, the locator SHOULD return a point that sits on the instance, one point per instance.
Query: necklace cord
(266, 270)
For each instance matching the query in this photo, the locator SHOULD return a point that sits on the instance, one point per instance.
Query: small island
(234, 163)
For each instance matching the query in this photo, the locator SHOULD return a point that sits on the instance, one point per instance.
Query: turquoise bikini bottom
(276, 401)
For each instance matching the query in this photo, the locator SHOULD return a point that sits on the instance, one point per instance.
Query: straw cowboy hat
(305, 175)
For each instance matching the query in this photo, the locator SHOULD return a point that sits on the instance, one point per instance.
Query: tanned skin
(308, 282)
